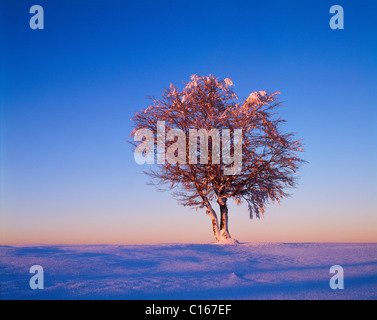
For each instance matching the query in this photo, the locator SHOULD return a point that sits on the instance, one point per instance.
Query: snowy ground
(190, 271)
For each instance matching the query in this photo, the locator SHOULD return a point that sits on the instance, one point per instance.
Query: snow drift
(190, 271)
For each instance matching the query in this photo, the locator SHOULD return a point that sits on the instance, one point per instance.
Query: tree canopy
(258, 161)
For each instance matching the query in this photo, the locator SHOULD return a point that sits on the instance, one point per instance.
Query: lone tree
(259, 169)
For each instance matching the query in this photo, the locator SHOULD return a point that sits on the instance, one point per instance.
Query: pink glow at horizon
(180, 225)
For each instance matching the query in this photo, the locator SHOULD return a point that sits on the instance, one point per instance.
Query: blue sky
(68, 93)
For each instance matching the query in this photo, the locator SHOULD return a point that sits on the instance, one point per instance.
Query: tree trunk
(221, 234)
(224, 231)
(224, 222)
(215, 223)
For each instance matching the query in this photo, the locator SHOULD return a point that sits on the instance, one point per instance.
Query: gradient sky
(68, 93)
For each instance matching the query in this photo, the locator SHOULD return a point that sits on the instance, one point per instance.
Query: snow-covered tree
(264, 170)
